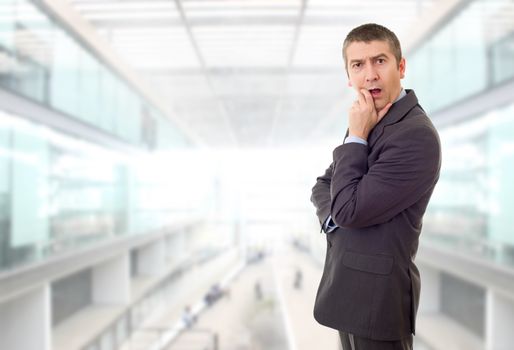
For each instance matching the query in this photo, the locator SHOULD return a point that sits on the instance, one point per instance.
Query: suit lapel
(394, 115)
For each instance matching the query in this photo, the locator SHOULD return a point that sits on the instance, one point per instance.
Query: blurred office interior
(157, 158)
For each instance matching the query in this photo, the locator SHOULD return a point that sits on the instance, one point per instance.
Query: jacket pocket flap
(378, 264)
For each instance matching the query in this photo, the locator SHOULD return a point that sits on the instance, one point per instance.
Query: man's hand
(363, 116)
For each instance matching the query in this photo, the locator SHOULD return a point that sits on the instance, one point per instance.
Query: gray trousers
(351, 342)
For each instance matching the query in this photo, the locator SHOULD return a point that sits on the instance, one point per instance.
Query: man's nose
(371, 73)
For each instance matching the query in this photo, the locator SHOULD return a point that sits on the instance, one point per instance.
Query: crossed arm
(357, 196)
(321, 195)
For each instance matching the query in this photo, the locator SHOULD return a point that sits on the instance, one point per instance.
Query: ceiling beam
(294, 44)
(221, 107)
(242, 71)
(224, 21)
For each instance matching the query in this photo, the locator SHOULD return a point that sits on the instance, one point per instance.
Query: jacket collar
(397, 111)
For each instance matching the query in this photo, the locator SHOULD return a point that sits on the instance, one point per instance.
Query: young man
(371, 200)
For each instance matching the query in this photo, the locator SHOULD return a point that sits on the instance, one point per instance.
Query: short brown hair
(369, 32)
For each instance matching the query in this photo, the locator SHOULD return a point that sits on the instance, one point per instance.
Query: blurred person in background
(371, 200)
(188, 318)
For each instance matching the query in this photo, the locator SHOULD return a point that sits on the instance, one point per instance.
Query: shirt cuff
(329, 225)
(355, 139)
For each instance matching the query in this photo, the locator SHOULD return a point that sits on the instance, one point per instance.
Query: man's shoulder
(414, 124)
(418, 118)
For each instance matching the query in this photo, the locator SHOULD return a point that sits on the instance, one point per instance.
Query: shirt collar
(401, 95)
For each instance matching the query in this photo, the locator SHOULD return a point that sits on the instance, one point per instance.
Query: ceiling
(246, 73)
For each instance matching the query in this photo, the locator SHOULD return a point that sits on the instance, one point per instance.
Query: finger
(367, 96)
(362, 98)
(353, 107)
(384, 111)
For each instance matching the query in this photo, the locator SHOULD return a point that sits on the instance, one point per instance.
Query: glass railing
(471, 209)
(42, 61)
(58, 192)
(469, 54)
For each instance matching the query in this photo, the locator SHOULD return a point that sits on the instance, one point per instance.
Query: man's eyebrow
(380, 55)
(358, 60)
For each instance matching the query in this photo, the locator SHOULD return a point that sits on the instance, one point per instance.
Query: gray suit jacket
(377, 195)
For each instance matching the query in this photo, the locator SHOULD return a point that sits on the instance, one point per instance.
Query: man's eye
(356, 65)
(380, 61)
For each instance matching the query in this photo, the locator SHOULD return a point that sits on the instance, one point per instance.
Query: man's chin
(379, 105)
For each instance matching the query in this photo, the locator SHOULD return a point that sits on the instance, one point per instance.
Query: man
(371, 200)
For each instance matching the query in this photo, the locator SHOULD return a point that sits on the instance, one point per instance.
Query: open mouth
(375, 92)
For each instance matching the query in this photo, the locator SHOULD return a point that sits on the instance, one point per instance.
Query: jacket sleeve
(406, 169)
(321, 195)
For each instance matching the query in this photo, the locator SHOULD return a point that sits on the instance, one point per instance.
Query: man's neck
(401, 94)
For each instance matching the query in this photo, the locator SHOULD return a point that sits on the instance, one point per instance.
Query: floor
(266, 307)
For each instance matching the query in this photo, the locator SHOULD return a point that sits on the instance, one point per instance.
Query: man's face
(372, 66)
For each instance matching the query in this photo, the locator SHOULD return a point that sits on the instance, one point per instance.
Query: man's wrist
(355, 139)
(362, 135)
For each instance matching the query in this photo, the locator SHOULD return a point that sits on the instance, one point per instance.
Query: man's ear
(401, 68)
(349, 83)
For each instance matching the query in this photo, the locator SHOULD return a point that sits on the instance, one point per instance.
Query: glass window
(470, 53)
(472, 204)
(133, 123)
(108, 106)
(417, 75)
(32, 46)
(64, 79)
(7, 60)
(89, 88)
(57, 192)
(500, 166)
(470, 74)
(84, 181)
(7, 20)
(129, 115)
(502, 53)
(30, 79)
(29, 186)
(5, 192)
(41, 60)
(167, 134)
(442, 67)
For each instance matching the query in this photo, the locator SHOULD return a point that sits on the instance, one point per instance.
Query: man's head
(372, 32)
(373, 61)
